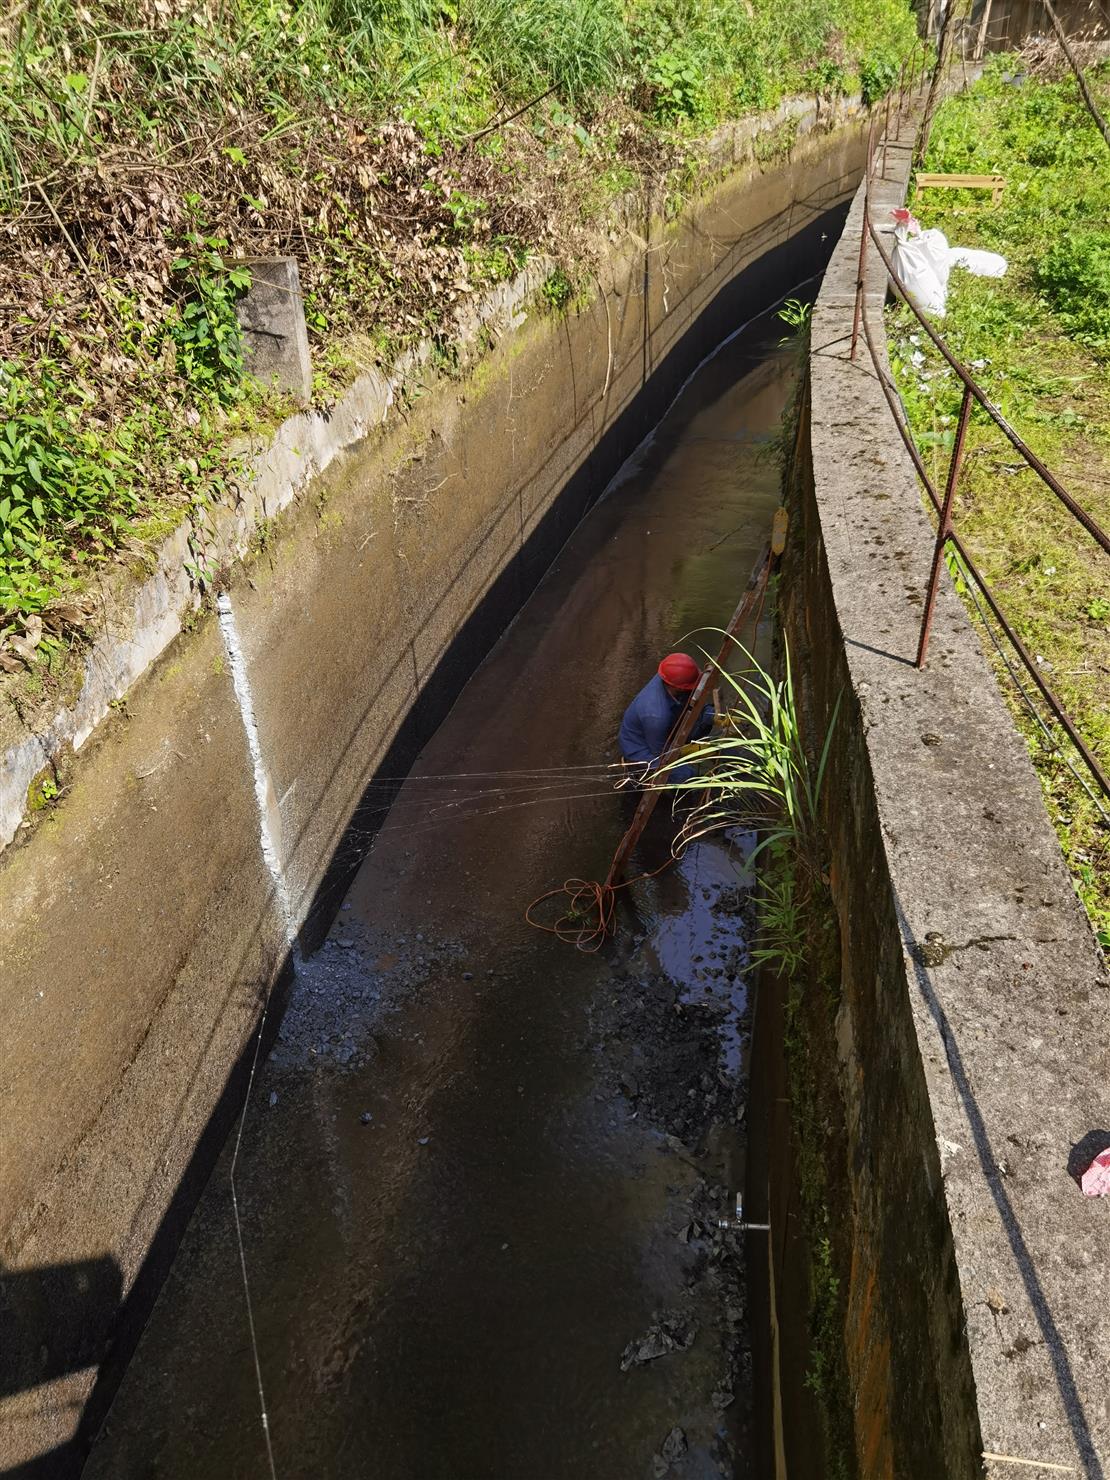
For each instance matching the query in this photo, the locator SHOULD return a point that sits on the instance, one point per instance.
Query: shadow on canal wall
(968, 1045)
(216, 817)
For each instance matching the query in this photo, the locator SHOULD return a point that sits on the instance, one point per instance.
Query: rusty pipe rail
(946, 533)
(972, 386)
(890, 391)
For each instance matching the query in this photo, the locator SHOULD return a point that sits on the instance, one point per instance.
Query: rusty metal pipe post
(944, 529)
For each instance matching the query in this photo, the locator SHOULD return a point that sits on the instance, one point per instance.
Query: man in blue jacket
(651, 717)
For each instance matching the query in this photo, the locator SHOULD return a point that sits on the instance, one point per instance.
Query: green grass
(1039, 340)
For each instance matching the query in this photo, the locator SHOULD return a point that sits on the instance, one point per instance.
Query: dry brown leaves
(388, 236)
(1044, 57)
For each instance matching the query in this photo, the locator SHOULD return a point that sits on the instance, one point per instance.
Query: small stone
(423, 1141)
(273, 1098)
(931, 739)
(346, 945)
(933, 951)
(365, 1118)
(674, 1445)
(468, 976)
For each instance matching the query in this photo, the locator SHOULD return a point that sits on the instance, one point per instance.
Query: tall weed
(759, 773)
(575, 47)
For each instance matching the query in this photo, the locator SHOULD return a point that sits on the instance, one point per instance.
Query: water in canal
(480, 1174)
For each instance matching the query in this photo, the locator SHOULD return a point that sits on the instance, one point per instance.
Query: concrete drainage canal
(482, 1176)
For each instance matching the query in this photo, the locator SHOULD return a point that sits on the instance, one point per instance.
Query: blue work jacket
(647, 725)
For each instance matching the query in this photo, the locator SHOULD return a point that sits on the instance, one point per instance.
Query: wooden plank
(994, 183)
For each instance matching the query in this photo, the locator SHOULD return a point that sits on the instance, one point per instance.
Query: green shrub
(557, 290)
(59, 481)
(206, 332)
(678, 88)
(827, 77)
(877, 77)
(1073, 276)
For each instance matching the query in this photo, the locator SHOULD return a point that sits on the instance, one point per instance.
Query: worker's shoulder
(652, 695)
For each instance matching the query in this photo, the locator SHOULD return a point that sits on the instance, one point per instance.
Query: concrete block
(275, 338)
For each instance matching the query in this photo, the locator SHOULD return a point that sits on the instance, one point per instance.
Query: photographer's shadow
(52, 1323)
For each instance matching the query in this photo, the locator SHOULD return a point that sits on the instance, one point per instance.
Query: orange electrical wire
(587, 926)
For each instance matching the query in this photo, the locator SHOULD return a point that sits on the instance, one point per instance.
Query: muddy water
(480, 1173)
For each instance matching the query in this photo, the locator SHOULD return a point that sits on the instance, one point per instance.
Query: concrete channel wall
(971, 1049)
(211, 822)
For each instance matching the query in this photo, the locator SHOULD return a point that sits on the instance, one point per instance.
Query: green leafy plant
(760, 765)
(1074, 277)
(465, 211)
(59, 482)
(877, 77)
(678, 87)
(43, 792)
(206, 332)
(796, 315)
(557, 290)
(827, 76)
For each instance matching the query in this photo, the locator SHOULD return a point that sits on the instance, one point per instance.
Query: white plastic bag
(921, 261)
(980, 264)
(918, 272)
(934, 243)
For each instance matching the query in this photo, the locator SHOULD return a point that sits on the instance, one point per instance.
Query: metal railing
(947, 537)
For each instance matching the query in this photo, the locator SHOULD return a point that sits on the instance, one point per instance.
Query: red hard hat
(680, 672)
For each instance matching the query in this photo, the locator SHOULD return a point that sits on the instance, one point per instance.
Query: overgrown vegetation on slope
(407, 152)
(1039, 340)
